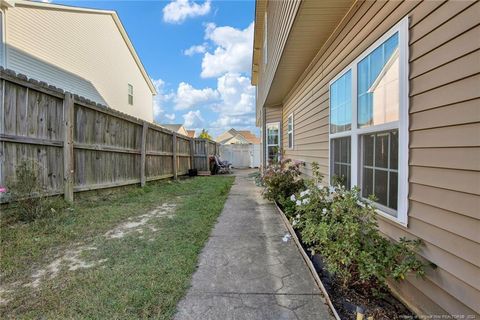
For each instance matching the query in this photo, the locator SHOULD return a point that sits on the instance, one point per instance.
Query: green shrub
(339, 225)
(281, 180)
(29, 200)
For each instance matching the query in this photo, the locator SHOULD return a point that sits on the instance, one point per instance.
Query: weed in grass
(27, 196)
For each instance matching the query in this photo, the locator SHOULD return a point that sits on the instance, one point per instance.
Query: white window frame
(401, 125)
(130, 94)
(268, 125)
(290, 132)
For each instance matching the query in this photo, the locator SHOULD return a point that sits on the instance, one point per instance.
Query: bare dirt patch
(72, 259)
(138, 223)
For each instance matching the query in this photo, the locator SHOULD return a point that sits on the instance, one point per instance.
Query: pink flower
(3, 190)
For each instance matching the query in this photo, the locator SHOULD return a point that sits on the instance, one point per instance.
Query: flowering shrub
(282, 180)
(339, 225)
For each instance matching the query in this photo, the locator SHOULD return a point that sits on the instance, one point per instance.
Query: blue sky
(207, 86)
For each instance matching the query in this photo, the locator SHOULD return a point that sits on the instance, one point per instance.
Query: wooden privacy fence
(79, 145)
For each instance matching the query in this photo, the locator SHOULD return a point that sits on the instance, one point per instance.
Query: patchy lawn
(125, 254)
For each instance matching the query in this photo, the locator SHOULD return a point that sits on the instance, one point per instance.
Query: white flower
(306, 201)
(294, 222)
(298, 216)
(304, 193)
(324, 210)
(292, 197)
(298, 203)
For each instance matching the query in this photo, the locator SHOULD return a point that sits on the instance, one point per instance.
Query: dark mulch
(346, 302)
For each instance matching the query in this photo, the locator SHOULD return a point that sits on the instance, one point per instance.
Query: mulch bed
(346, 301)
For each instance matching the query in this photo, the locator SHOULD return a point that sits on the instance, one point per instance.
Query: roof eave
(284, 81)
(260, 7)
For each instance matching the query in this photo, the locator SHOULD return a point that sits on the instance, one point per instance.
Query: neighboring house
(178, 128)
(240, 147)
(385, 94)
(191, 133)
(233, 136)
(83, 51)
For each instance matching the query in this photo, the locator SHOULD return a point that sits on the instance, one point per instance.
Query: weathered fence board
(98, 148)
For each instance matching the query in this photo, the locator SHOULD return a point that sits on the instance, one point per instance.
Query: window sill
(385, 215)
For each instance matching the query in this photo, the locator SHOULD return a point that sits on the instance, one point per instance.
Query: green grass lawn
(110, 256)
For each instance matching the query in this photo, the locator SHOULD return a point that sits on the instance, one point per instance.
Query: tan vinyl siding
(273, 114)
(280, 17)
(80, 52)
(444, 160)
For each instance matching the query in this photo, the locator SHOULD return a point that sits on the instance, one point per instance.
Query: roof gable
(113, 14)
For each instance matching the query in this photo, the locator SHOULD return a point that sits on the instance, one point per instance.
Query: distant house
(191, 133)
(386, 95)
(240, 147)
(178, 128)
(83, 51)
(233, 136)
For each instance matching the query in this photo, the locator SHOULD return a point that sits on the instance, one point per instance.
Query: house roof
(191, 133)
(113, 14)
(242, 135)
(249, 136)
(173, 127)
(384, 70)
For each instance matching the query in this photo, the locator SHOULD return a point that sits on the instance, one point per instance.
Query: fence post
(207, 164)
(144, 153)
(192, 153)
(68, 121)
(174, 138)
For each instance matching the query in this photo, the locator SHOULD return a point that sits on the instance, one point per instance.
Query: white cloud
(195, 49)
(227, 54)
(188, 97)
(233, 101)
(178, 11)
(161, 98)
(237, 107)
(233, 51)
(193, 120)
(170, 116)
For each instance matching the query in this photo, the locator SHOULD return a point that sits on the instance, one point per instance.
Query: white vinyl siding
(84, 53)
(2, 39)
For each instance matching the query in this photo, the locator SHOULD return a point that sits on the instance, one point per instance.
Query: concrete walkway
(247, 270)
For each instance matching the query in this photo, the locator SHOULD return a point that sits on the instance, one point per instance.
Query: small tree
(205, 135)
